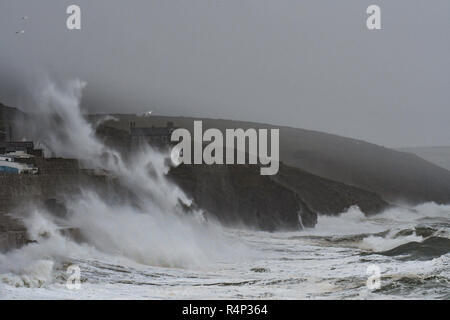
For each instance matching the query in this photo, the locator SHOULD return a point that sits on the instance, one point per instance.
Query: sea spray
(149, 228)
(121, 238)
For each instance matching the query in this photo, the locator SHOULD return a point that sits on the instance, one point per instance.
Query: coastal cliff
(234, 195)
(290, 200)
(398, 177)
(237, 195)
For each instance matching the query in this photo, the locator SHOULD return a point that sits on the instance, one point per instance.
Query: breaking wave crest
(148, 233)
(420, 232)
(150, 227)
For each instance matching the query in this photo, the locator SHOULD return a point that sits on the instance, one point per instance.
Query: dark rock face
(114, 138)
(239, 195)
(56, 208)
(428, 249)
(12, 233)
(326, 196)
(290, 200)
(235, 195)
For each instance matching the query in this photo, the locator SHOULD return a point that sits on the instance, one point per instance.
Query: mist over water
(314, 263)
(151, 228)
(147, 246)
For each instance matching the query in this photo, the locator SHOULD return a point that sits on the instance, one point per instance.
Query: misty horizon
(304, 65)
(240, 151)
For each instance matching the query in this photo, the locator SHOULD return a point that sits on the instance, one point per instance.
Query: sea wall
(56, 179)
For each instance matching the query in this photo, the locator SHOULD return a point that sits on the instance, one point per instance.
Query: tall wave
(150, 228)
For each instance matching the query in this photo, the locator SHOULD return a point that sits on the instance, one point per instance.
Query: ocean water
(147, 247)
(328, 262)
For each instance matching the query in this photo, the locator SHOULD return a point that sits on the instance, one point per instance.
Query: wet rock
(428, 249)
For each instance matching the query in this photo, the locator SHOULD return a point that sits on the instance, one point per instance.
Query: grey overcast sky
(304, 63)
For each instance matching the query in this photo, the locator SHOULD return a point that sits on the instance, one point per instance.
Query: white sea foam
(374, 243)
(152, 230)
(149, 248)
(354, 221)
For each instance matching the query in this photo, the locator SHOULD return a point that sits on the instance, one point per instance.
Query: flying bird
(25, 18)
(20, 32)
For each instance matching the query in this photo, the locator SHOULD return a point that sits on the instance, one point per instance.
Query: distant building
(155, 136)
(10, 165)
(15, 156)
(19, 146)
(12, 146)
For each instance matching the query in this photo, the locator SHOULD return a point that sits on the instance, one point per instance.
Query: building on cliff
(155, 136)
(27, 147)
(7, 143)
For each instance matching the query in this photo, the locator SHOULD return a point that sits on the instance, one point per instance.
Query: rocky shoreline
(234, 195)
(290, 200)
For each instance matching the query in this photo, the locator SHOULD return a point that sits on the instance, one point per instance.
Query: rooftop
(153, 131)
